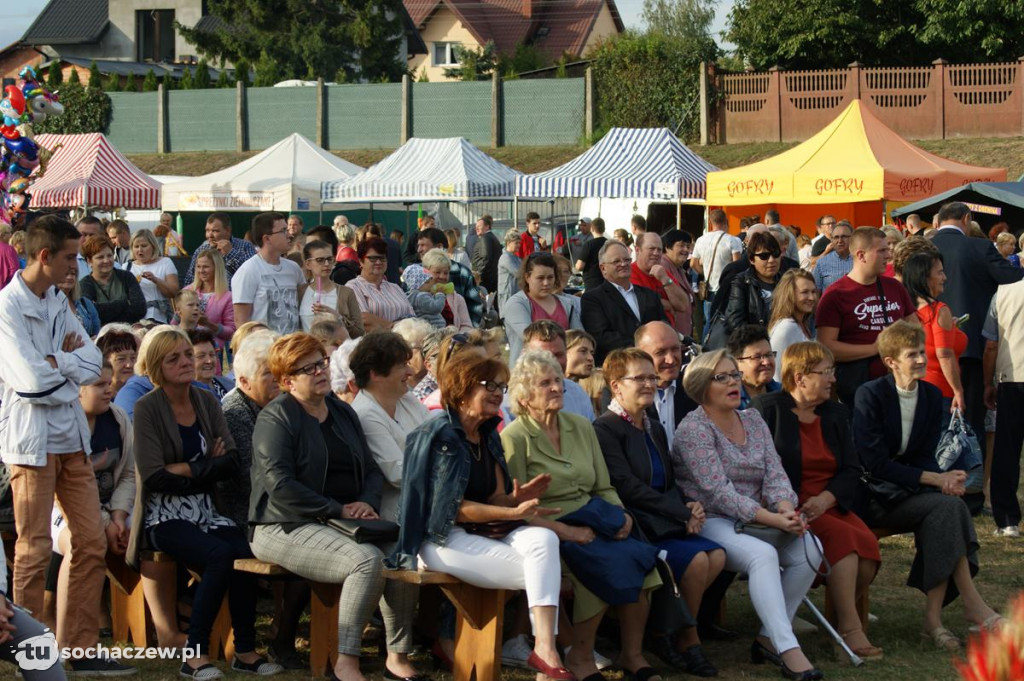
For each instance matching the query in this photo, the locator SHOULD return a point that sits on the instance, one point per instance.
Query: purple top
(729, 481)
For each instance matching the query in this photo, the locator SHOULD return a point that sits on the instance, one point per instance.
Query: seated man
(750, 346)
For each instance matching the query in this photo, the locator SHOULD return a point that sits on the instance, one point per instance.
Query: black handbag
(780, 539)
(366, 531)
(497, 529)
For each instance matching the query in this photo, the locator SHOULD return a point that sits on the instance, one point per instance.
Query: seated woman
(207, 361)
(812, 436)
(793, 305)
(460, 512)
(725, 460)
(750, 348)
(211, 285)
(121, 350)
(546, 441)
(381, 302)
(183, 448)
(311, 462)
(636, 450)
(897, 422)
(115, 292)
(343, 383)
(330, 332)
(322, 297)
(750, 299)
(387, 410)
(536, 299)
(414, 332)
(83, 307)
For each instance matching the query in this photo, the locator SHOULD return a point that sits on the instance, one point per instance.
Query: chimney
(528, 9)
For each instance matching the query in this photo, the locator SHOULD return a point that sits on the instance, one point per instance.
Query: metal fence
(361, 116)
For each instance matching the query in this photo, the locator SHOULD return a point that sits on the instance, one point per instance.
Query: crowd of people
(300, 386)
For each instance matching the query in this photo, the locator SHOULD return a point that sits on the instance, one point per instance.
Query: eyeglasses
(279, 231)
(321, 261)
(377, 259)
(619, 262)
(728, 377)
(831, 371)
(765, 255)
(494, 387)
(763, 357)
(313, 368)
(649, 379)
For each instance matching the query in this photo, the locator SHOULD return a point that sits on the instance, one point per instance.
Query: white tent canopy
(286, 177)
(640, 163)
(427, 170)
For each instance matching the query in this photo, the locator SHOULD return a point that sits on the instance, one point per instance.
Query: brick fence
(923, 102)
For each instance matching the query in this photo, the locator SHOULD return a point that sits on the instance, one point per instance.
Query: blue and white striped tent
(635, 163)
(449, 169)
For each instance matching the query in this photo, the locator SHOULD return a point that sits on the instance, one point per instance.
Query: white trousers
(775, 594)
(527, 559)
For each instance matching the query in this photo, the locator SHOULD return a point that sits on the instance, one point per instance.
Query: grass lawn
(1001, 152)
(898, 629)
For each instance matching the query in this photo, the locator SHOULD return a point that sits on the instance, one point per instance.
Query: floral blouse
(729, 480)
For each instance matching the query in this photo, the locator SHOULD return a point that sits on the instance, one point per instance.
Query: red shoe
(556, 673)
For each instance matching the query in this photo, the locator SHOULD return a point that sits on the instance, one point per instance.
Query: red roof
(568, 23)
(88, 171)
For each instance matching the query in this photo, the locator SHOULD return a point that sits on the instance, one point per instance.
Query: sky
(19, 15)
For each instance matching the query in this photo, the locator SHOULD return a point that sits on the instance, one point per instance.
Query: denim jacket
(434, 480)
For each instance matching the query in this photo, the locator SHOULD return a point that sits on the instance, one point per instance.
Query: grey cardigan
(518, 315)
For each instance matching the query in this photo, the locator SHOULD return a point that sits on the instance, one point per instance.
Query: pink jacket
(460, 313)
(219, 310)
(9, 264)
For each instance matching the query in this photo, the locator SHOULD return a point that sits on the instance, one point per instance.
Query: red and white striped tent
(89, 172)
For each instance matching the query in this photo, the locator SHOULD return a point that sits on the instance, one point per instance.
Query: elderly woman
(536, 299)
(322, 297)
(121, 350)
(387, 410)
(508, 270)
(897, 422)
(725, 460)
(84, 309)
(546, 441)
(414, 332)
(211, 285)
(381, 302)
(792, 319)
(156, 274)
(183, 449)
(311, 463)
(636, 450)
(750, 299)
(812, 436)
(462, 514)
(343, 383)
(208, 363)
(115, 293)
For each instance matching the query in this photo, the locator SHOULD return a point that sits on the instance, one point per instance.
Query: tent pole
(679, 210)
(515, 212)
(371, 212)
(551, 212)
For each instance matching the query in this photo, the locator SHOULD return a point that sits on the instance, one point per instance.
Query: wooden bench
(478, 626)
(129, 616)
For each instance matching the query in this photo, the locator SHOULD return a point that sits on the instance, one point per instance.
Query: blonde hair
(150, 239)
(699, 372)
(784, 298)
(244, 330)
(220, 272)
(531, 366)
(1005, 238)
(157, 344)
(435, 257)
(182, 296)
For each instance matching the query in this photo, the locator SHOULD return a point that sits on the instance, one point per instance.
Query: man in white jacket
(44, 436)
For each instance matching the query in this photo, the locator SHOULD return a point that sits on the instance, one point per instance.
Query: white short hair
(530, 368)
(413, 330)
(435, 257)
(251, 357)
(341, 372)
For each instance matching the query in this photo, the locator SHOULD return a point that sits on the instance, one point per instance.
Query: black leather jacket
(289, 464)
(746, 304)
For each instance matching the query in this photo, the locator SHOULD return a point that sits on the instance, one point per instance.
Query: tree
(150, 83)
(523, 58)
(95, 77)
(424, 77)
(473, 64)
(186, 82)
(170, 83)
(267, 71)
(242, 71)
(202, 76)
(54, 76)
(307, 39)
(113, 83)
(74, 79)
(85, 110)
(224, 80)
(688, 21)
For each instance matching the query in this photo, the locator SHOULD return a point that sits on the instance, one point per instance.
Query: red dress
(840, 533)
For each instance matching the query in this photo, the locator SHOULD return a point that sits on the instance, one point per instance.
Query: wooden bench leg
(129, 616)
(323, 627)
(222, 635)
(478, 631)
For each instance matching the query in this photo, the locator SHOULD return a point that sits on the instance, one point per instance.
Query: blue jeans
(26, 628)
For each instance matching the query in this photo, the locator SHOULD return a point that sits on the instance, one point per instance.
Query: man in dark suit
(671, 404)
(974, 269)
(613, 311)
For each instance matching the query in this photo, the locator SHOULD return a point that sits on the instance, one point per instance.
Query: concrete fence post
(321, 114)
(589, 102)
(406, 131)
(241, 118)
(704, 104)
(162, 121)
(497, 111)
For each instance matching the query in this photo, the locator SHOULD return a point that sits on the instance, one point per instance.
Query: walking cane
(854, 658)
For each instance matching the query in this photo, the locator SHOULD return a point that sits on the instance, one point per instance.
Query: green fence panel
(202, 120)
(364, 116)
(458, 109)
(543, 112)
(132, 128)
(277, 112)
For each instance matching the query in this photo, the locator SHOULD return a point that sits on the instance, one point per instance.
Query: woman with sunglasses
(311, 462)
(321, 297)
(381, 302)
(539, 278)
(724, 459)
(750, 298)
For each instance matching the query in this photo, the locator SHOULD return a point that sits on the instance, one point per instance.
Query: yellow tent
(855, 167)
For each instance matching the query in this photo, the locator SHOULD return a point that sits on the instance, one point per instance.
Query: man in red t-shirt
(855, 309)
(648, 271)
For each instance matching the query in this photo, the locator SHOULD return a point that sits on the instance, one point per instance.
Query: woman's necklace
(475, 448)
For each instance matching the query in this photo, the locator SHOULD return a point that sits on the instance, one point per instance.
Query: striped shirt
(385, 300)
(830, 269)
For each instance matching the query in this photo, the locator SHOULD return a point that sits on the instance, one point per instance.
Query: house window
(445, 54)
(154, 35)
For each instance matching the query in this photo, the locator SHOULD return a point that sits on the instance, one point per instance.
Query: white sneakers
(1009, 531)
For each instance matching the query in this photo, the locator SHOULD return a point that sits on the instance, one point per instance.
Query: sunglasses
(765, 255)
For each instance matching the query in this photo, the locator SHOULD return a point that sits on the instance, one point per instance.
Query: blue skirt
(681, 551)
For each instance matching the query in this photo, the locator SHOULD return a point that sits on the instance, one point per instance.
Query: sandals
(943, 638)
(868, 652)
(991, 624)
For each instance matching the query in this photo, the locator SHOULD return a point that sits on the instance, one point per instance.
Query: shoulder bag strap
(714, 252)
